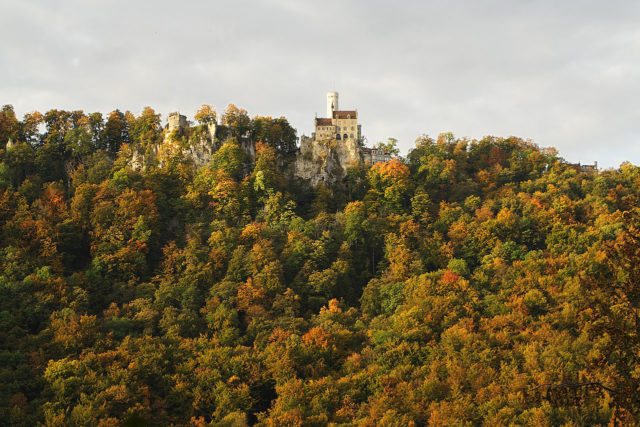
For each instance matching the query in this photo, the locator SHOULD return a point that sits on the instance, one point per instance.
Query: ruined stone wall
(176, 121)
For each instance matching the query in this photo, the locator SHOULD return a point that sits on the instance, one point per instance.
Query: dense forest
(473, 282)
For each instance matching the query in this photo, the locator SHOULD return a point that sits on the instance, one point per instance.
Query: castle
(342, 125)
(338, 125)
(334, 146)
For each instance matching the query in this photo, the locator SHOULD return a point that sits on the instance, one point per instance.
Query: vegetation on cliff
(474, 282)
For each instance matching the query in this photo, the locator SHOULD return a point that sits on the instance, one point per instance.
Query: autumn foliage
(474, 282)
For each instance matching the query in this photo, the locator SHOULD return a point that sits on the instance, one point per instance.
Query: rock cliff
(197, 144)
(316, 160)
(326, 160)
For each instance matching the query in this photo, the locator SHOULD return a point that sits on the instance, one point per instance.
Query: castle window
(345, 136)
(338, 136)
(351, 136)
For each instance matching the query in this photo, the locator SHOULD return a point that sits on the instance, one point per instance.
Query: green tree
(275, 132)
(9, 125)
(237, 120)
(390, 146)
(206, 114)
(116, 132)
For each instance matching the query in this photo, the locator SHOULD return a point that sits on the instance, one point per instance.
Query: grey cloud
(561, 73)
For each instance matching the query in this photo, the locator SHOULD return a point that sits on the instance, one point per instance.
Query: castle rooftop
(345, 114)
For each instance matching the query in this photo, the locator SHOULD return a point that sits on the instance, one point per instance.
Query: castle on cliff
(343, 127)
(335, 145)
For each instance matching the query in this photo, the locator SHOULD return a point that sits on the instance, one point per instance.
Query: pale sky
(562, 73)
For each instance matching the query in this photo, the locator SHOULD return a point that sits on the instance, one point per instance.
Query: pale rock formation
(325, 160)
(199, 148)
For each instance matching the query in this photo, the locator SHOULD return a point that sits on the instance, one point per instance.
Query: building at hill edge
(343, 127)
(335, 145)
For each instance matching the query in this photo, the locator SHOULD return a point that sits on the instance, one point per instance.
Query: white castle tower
(332, 103)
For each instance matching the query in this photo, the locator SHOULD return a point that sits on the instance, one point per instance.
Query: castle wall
(325, 132)
(346, 126)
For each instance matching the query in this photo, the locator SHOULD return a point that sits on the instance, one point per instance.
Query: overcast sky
(562, 73)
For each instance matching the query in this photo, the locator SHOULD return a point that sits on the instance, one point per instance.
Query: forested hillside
(475, 282)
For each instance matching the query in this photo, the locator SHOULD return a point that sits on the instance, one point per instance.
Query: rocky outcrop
(317, 161)
(196, 144)
(326, 160)
(199, 150)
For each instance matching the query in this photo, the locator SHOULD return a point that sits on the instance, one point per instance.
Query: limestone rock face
(249, 148)
(137, 161)
(197, 148)
(200, 148)
(200, 151)
(327, 160)
(316, 161)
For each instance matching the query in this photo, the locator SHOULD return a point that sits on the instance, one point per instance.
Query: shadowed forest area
(474, 282)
